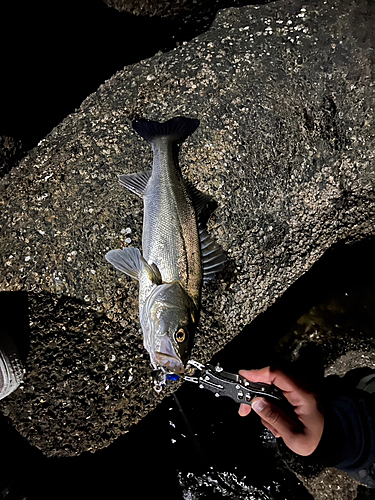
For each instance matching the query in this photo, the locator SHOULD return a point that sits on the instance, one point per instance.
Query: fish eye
(180, 335)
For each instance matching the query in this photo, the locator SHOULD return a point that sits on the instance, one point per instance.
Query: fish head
(168, 321)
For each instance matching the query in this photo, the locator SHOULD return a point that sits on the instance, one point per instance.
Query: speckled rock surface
(285, 147)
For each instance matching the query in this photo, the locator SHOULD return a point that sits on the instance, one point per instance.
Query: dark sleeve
(348, 440)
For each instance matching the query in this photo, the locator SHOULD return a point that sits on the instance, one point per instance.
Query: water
(220, 485)
(237, 457)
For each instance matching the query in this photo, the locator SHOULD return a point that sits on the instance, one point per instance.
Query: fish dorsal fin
(130, 261)
(213, 256)
(136, 182)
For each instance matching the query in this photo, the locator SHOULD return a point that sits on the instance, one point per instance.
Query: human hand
(302, 434)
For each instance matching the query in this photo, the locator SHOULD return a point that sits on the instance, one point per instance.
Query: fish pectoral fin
(129, 260)
(213, 256)
(136, 182)
(155, 275)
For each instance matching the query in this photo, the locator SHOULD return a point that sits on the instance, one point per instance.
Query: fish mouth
(170, 363)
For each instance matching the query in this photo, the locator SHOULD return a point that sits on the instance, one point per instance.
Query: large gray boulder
(285, 148)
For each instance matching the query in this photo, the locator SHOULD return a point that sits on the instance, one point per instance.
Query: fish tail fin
(177, 129)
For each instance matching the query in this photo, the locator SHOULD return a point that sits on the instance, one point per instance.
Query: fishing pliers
(222, 383)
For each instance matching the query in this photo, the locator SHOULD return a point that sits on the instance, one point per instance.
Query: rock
(331, 484)
(283, 92)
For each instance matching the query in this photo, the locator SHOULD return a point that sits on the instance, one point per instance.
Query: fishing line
(200, 453)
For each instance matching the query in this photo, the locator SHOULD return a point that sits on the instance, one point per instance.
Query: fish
(178, 255)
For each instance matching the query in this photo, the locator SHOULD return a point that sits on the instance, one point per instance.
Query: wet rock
(331, 484)
(283, 92)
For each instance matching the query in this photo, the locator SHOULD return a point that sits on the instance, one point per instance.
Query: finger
(293, 393)
(244, 410)
(270, 428)
(268, 376)
(285, 426)
(261, 375)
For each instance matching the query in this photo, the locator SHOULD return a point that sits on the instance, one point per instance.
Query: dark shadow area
(56, 54)
(15, 320)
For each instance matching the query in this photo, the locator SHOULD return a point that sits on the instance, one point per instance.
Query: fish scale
(170, 231)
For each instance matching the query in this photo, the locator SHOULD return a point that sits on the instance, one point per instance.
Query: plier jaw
(162, 377)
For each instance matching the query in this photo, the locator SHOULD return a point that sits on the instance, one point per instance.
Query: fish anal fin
(136, 182)
(213, 256)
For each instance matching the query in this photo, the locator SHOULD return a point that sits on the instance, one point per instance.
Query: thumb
(259, 405)
(274, 418)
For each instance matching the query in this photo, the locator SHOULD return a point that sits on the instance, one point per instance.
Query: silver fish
(178, 254)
